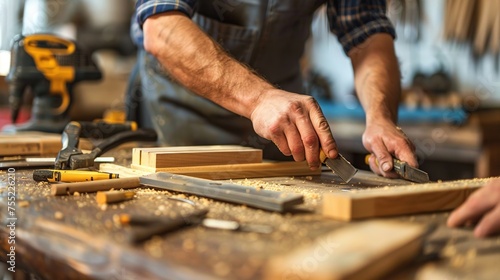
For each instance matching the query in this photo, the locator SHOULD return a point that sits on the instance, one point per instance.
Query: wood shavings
(58, 215)
(188, 245)
(23, 203)
(154, 246)
(222, 269)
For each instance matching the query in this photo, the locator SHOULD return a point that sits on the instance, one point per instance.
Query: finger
(489, 224)
(372, 162)
(309, 141)
(375, 167)
(382, 156)
(472, 209)
(405, 150)
(323, 131)
(279, 139)
(294, 142)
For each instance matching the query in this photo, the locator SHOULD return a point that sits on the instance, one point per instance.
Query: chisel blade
(410, 173)
(339, 166)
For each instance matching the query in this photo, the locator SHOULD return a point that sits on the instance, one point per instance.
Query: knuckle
(275, 128)
(311, 101)
(310, 140)
(384, 157)
(368, 138)
(323, 124)
(297, 149)
(296, 107)
(474, 202)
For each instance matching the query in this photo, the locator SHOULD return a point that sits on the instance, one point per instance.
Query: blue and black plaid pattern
(352, 21)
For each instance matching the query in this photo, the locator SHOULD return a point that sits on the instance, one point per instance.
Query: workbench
(72, 237)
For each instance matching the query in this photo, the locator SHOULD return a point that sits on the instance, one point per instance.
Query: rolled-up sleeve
(147, 8)
(353, 21)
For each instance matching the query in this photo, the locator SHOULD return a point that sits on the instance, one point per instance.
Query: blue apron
(267, 35)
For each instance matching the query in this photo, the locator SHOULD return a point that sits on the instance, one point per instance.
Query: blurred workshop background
(448, 52)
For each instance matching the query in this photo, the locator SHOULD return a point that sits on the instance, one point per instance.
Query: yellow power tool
(49, 65)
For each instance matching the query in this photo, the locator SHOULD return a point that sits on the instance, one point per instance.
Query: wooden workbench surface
(72, 236)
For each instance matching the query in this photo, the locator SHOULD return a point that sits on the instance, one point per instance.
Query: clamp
(113, 135)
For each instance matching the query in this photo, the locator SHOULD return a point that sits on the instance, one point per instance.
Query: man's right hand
(296, 125)
(292, 121)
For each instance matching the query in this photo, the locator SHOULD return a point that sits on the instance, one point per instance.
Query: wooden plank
(483, 26)
(34, 144)
(163, 157)
(410, 199)
(464, 24)
(495, 32)
(238, 171)
(136, 155)
(368, 250)
(123, 171)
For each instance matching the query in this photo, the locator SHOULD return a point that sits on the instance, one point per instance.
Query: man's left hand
(481, 208)
(384, 140)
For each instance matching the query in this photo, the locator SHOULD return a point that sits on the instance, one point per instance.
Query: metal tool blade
(340, 166)
(41, 162)
(236, 226)
(410, 173)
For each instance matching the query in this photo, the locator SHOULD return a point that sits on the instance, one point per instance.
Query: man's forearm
(197, 62)
(377, 81)
(377, 78)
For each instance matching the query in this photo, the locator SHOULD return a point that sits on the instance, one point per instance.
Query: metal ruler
(251, 196)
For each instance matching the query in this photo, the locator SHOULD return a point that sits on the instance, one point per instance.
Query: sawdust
(221, 269)
(188, 245)
(23, 203)
(153, 246)
(58, 215)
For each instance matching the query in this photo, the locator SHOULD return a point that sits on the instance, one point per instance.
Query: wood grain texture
(124, 172)
(360, 251)
(410, 199)
(163, 157)
(34, 144)
(238, 171)
(95, 186)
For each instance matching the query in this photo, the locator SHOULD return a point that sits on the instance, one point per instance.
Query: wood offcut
(95, 186)
(163, 157)
(367, 250)
(403, 200)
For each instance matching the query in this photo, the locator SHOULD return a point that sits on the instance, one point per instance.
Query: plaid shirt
(352, 21)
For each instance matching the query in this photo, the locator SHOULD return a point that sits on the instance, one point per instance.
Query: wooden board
(34, 144)
(410, 199)
(366, 250)
(123, 171)
(163, 157)
(238, 171)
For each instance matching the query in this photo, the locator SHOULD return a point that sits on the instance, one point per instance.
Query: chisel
(406, 171)
(339, 166)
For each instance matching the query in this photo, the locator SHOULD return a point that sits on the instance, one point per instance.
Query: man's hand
(481, 208)
(295, 124)
(385, 140)
(377, 81)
